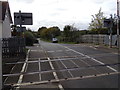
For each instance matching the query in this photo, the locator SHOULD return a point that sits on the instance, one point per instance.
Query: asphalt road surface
(60, 66)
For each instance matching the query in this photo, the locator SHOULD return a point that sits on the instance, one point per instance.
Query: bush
(29, 38)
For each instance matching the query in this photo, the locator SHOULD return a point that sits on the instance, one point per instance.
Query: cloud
(63, 12)
(23, 1)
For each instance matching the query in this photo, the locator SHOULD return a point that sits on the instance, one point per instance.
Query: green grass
(45, 40)
(66, 42)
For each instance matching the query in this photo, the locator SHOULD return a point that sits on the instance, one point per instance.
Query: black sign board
(23, 19)
(22, 29)
(107, 23)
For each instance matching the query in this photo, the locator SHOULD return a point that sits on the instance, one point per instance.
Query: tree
(39, 33)
(97, 22)
(49, 33)
(29, 38)
(67, 31)
(55, 31)
(70, 33)
(14, 30)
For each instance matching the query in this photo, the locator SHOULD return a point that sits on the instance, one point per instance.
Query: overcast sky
(62, 12)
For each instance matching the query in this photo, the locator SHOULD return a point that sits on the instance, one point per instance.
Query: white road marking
(89, 65)
(23, 68)
(11, 71)
(39, 70)
(59, 51)
(50, 51)
(37, 50)
(74, 63)
(75, 78)
(91, 58)
(55, 74)
(66, 68)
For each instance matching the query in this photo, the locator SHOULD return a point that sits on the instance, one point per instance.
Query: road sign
(107, 23)
(23, 19)
(23, 29)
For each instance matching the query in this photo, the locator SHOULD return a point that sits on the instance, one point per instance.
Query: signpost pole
(20, 21)
(118, 24)
(1, 26)
(1, 62)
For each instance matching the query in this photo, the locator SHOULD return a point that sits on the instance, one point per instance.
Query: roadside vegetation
(69, 34)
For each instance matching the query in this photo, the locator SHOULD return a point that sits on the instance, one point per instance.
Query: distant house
(5, 20)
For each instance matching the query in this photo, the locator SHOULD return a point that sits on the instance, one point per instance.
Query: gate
(13, 47)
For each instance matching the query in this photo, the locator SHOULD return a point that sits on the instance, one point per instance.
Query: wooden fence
(13, 47)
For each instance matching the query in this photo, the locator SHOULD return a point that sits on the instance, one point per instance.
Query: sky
(62, 12)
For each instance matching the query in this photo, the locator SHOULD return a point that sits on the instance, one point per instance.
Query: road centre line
(55, 74)
(90, 58)
(52, 67)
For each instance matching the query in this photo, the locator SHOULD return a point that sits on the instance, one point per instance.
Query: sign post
(109, 24)
(0, 60)
(22, 19)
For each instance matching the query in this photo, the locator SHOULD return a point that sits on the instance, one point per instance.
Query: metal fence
(13, 47)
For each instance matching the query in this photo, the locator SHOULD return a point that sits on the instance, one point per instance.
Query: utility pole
(0, 60)
(118, 24)
(20, 22)
(1, 81)
(111, 26)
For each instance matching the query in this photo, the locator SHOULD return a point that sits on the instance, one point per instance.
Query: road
(53, 65)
